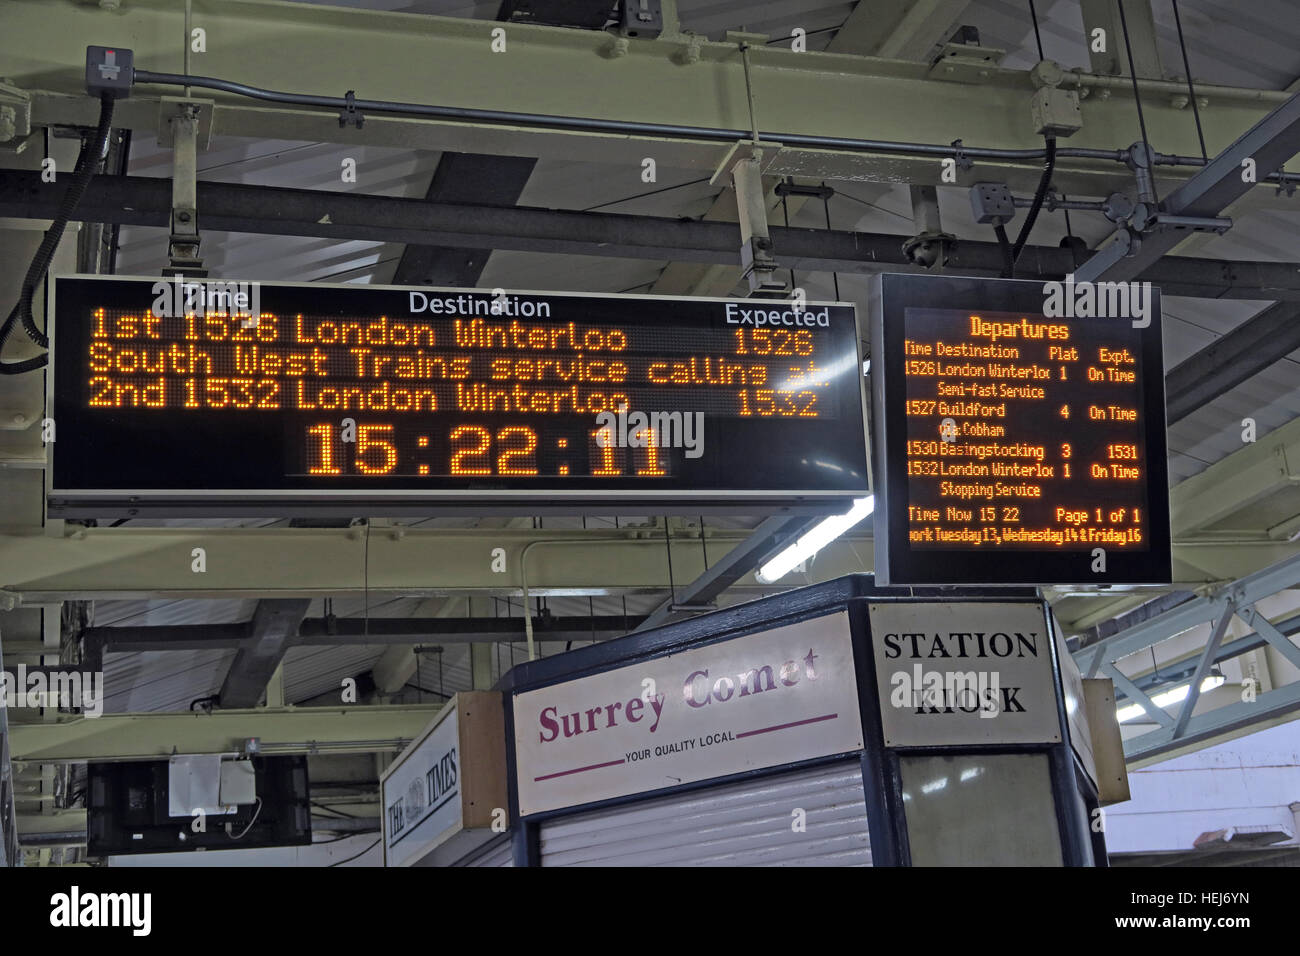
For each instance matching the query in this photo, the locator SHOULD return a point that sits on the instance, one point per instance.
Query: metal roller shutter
(739, 824)
(497, 853)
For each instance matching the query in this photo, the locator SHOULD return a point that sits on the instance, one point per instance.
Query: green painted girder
(312, 49)
(357, 729)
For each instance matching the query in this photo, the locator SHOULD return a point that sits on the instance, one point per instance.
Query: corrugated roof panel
(154, 681)
(312, 671)
(161, 613)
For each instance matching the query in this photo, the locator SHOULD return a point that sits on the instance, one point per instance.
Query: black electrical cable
(1191, 90)
(340, 839)
(1038, 37)
(1045, 180)
(785, 212)
(361, 854)
(87, 161)
(653, 192)
(807, 33)
(1004, 244)
(826, 208)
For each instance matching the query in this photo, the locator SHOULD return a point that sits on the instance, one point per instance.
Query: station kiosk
(838, 724)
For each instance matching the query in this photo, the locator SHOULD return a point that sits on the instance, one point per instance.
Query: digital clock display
(1021, 428)
(214, 396)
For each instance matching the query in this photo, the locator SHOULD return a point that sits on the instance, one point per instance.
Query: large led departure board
(1019, 432)
(207, 397)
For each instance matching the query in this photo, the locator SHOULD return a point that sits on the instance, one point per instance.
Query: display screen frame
(897, 562)
(395, 496)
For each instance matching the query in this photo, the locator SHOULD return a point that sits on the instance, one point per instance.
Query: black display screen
(251, 396)
(1021, 432)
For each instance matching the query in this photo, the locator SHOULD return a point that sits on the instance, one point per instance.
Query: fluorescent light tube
(1167, 698)
(812, 541)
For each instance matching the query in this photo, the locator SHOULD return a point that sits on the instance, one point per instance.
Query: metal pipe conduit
(507, 117)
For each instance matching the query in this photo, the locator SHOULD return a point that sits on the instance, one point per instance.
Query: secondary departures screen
(1023, 433)
(213, 396)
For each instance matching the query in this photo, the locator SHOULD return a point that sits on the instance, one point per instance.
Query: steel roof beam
(146, 201)
(1194, 613)
(1173, 674)
(1269, 144)
(112, 737)
(1268, 708)
(1255, 472)
(273, 631)
(319, 632)
(764, 541)
(1229, 360)
(463, 178)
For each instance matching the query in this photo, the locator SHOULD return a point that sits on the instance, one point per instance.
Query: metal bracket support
(183, 244)
(757, 257)
(15, 112)
(350, 115)
(930, 245)
(965, 63)
(1203, 669)
(964, 162)
(745, 165)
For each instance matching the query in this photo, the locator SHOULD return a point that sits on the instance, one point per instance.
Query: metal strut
(183, 243)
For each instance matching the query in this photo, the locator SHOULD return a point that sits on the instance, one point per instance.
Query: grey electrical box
(1056, 112)
(642, 18)
(238, 783)
(992, 202)
(110, 71)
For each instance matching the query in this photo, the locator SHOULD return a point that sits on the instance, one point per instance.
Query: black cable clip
(1286, 183)
(350, 115)
(959, 154)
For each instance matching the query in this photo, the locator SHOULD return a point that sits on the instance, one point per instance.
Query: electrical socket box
(641, 18)
(990, 202)
(109, 71)
(1056, 112)
(238, 783)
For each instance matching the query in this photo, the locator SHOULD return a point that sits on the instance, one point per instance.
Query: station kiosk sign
(844, 724)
